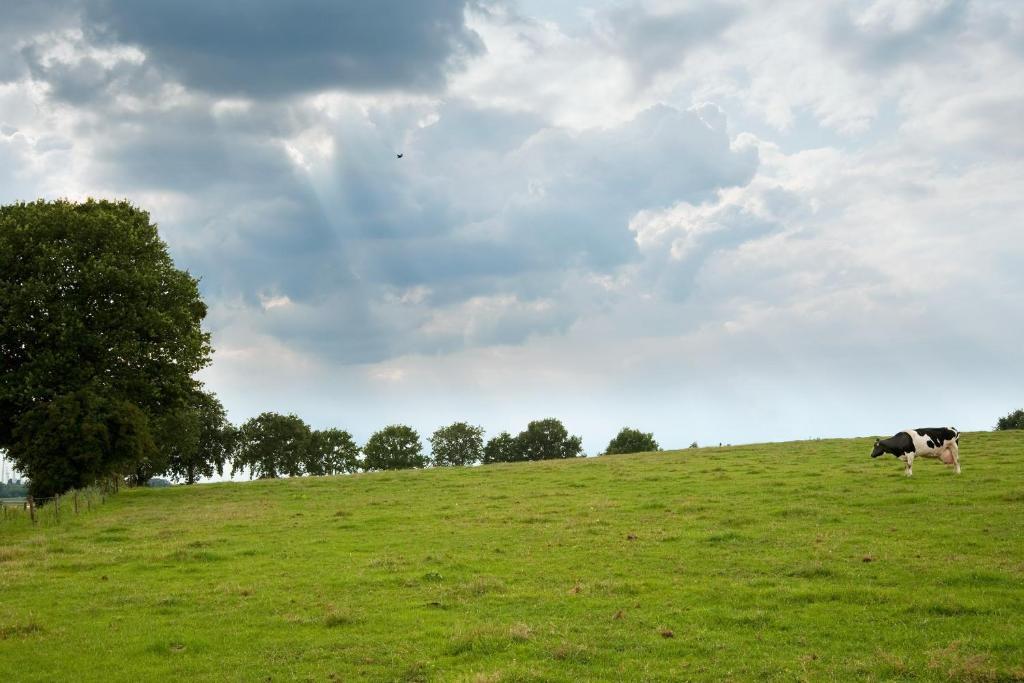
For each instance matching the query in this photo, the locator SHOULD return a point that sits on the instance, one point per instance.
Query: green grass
(790, 561)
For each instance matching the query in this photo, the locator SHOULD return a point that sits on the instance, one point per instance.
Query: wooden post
(76, 501)
(31, 508)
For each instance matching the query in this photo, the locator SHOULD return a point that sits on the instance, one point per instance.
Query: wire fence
(50, 511)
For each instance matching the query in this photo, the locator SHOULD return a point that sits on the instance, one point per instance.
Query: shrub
(1014, 420)
(630, 440)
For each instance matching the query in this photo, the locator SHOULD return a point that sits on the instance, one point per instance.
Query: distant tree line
(273, 445)
(13, 489)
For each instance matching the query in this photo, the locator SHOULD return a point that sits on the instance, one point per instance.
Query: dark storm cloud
(510, 210)
(187, 150)
(485, 228)
(88, 82)
(544, 203)
(272, 48)
(20, 20)
(251, 222)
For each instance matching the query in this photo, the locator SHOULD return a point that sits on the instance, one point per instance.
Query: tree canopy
(457, 444)
(207, 440)
(547, 439)
(271, 445)
(395, 447)
(97, 327)
(332, 451)
(630, 440)
(78, 439)
(1014, 420)
(502, 448)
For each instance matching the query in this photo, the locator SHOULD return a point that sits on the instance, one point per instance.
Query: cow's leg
(954, 450)
(909, 459)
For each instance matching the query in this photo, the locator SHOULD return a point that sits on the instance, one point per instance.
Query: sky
(714, 220)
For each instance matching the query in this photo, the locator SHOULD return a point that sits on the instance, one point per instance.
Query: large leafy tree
(502, 448)
(332, 451)
(395, 447)
(91, 304)
(630, 440)
(547, 439)
(457, 444)
(1014, 420)
(271, 445)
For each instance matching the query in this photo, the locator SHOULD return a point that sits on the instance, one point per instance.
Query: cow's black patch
(897, 445)
(938, 435)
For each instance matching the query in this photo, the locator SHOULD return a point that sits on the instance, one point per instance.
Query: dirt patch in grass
(9, 554)
(341, 617)
(191, 556)
(571, 652)
(956, 664)
(11, 631)
(813, 571)
(478, 587)
(723, 537)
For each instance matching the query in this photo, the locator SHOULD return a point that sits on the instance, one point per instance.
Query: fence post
(56, 508)
(31, 508)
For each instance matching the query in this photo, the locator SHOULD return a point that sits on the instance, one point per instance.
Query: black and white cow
(927, 442)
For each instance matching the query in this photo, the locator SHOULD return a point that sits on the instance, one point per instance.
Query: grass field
(789, 561)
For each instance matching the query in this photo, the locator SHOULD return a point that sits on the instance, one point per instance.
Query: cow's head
(877, 450)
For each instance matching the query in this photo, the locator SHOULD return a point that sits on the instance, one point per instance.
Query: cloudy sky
(717, 220)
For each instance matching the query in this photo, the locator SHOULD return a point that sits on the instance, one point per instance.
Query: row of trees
(13, 489)
(273, 445)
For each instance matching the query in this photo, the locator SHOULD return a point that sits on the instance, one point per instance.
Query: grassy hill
(788, 561)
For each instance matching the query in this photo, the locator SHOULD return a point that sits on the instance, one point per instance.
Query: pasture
(790, 561)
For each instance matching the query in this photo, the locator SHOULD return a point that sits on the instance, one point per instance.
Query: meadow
(788, 561)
